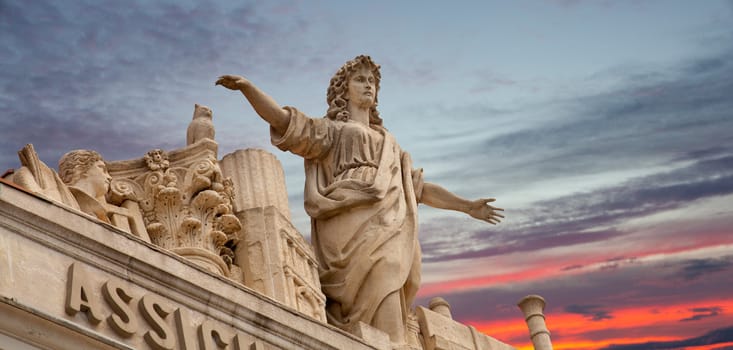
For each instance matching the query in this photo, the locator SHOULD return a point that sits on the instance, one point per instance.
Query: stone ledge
(42, 238)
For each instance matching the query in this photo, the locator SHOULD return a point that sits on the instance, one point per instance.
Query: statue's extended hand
(232, 82)
(480, 209)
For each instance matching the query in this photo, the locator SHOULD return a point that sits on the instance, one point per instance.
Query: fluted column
(258, 179)
(533, 307)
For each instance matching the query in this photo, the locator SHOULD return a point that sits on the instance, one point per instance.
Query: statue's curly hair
(338, 90)
(74, 164)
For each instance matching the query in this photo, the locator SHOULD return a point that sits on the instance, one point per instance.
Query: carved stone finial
(440, 306)
(533, 306)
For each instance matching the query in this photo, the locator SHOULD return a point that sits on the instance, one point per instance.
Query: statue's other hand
(232, 82)
(480, 209)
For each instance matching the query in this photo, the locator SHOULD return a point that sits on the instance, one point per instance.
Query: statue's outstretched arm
(262, 103)
(438, 197)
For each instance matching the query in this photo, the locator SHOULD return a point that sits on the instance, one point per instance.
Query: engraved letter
(240, 343)
(186, 339)
(207, 333)
(154, 311)
(122, 320)
(78, 297)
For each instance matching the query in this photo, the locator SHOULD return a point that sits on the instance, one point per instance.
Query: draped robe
(361, 194)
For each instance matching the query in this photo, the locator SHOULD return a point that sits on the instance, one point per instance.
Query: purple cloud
(695, 268)
(635, 285)
(118, 78)
(591, 312)
(703, 312)
(574, 219)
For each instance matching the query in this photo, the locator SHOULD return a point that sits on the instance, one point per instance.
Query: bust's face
(362, 88)
(97, 178)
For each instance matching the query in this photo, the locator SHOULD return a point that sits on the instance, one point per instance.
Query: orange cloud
(548, 268)
(650, 323)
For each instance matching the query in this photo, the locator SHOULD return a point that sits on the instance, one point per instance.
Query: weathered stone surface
(275, 258)
(201, 126)
(44, 241)
(202, 254)
(442, 333)
(278, 262)
(533, 307)
(35, 176)
(373, 336)
(185, 202)
(83, 185)
(361, 193)
(258, 178)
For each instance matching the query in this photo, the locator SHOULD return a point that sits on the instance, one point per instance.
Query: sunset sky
(604, 128)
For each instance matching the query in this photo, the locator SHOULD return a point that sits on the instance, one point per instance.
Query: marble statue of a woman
(361, 193)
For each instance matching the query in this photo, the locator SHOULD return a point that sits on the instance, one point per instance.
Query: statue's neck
(359, 115)
(91, 190)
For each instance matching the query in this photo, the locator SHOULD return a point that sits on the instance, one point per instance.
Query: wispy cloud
(120, 79)
(703, 312)
(642, 143)
(693, 269)
(592, 312)
(647, 120)
(644, 282)
(666, 122)
(575, 219)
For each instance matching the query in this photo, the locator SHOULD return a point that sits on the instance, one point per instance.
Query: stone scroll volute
(185, 202)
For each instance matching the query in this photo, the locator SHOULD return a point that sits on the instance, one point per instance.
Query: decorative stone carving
(201, 127)
(178, 200)
(60, 274)
(37, 177)
(414, 335)
(361, 193)
(157, 159)
(85, 172)
(83, 185)
(276, 260)
(185, 202)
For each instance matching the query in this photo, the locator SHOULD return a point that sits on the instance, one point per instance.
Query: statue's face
(98, 177)
(362, 88)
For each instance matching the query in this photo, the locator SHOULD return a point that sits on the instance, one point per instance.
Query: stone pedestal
(440, 332)
(275, 258)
